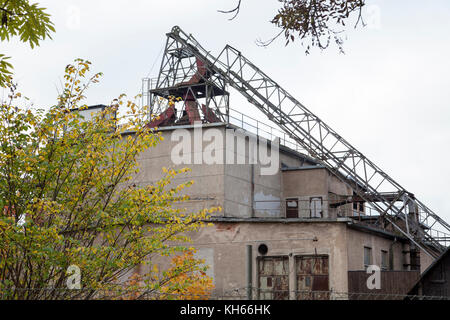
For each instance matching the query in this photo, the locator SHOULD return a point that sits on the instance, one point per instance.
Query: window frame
(370, 256)
(311, 199)
(275, 295)
(311, 277)
(384, 263)
(292, 210)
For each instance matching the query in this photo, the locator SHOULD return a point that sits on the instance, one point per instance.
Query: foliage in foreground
(315, 23)
(68, 197)
(25, 20)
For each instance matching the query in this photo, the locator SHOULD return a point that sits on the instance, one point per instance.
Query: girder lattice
(397, 207)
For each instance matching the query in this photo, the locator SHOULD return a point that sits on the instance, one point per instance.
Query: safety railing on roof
(261, 129)
(239, 119)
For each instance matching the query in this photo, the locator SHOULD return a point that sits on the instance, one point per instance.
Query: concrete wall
(305, 182)
(357, 240)
(224, 246)
(337, 187)
(289, 160)
(208, 187)
(309, 182)
(436, 281)
(235, 187)
(248, 191)
(242, 190)
(425, 261)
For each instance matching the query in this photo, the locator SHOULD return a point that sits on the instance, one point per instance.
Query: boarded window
(312, 277)
(316, 207)
(291, 208)
(273, 281)
(384, 260)
(367, 257)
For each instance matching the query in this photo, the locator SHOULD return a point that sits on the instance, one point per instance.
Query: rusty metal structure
(200, 81)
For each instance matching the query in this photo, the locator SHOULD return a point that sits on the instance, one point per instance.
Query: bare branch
(267, 43)
(235, 10)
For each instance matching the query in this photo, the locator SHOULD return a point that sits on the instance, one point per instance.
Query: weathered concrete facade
(227, 241)
(257, 209)
(435, 280)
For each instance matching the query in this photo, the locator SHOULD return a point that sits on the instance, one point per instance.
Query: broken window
(367, 257)
(358, 208)
(273, 281)
(316, 207)
(292, 208)
(384, 260)
(361, 207)
(312, 277)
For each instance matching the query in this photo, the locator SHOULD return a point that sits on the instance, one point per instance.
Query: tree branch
(235, 10)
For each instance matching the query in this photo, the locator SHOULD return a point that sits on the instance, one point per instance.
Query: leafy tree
(317, 23)
(190, 285)
(68, 198)
(184, 280)
(25, 20)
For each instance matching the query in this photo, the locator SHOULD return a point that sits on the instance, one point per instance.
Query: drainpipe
(249, 271)
(252, 174)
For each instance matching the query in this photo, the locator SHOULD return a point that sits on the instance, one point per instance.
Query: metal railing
(262, 129)
(238, 119)
(428, 221)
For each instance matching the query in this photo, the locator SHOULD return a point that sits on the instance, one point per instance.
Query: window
(414, 258)
(358, 208)
(391, 259)
(361, 207)
(315, 205)
(312, 277)
(273, 278)
(367, 257)
(384, 260)
(291, 208)
(405, 260)
(355, 209)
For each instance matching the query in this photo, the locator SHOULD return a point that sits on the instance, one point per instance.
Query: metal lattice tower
(191, 72)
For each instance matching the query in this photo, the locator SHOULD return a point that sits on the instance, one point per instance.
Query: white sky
(388, 95)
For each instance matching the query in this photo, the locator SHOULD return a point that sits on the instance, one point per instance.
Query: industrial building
(308, 229)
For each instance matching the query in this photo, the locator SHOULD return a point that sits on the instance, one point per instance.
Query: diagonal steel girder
(348, 164)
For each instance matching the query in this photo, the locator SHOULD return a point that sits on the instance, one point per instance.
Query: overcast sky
(388, 95)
